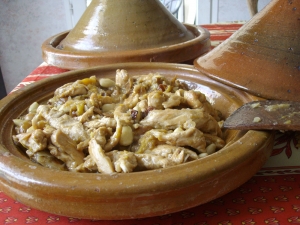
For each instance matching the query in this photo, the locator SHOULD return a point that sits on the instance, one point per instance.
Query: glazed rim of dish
(138, 194)
(180, 52)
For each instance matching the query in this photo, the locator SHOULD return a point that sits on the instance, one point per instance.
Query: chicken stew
(129, 124)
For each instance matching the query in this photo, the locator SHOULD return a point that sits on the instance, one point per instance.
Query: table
(271, 197)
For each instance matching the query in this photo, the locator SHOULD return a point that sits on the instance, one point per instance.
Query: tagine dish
(124, 141)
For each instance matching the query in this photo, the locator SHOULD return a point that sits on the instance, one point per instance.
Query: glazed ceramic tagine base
(138, 194)
(125, 31)
(263, 56)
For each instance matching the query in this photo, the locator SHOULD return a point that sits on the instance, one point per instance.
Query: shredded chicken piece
(212, 139)
(48, 130)
(46, 159)
(122, 77)
(34, 141)
(94, 101)
(176, 154)
(122, 114)
(85, 116)
(114, 139)
(104, 164)
(156, 99)
(66, 146)
(69, 126)
(132, 100)
(101, 135)
(124, 161)
(147, 141)
(170, 119)
(23, 139)
(151, 161)
(83, 145)
(71, 89)
(35, 121)
(173, 100)
(103, 122)
(191, 137)
(63, 156)
(196, 99)
(66, 123)
(37, 141)
(89, 165)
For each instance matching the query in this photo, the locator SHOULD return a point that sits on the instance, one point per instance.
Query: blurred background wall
(24, 25)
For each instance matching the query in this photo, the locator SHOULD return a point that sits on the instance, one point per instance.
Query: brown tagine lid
(123, 31)
(263, 56)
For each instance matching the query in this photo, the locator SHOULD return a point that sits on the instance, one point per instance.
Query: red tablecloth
(271, 197)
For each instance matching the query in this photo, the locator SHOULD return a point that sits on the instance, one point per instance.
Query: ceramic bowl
(263, 56)
(125, 31)
(139, 194)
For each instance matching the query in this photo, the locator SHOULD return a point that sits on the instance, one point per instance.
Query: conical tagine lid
(114, 25)
(263, 56)
(118, 31)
